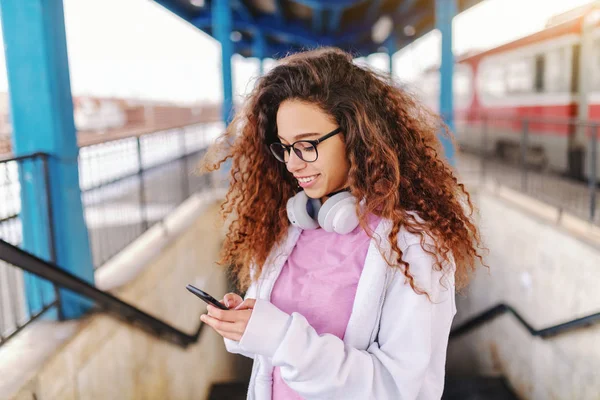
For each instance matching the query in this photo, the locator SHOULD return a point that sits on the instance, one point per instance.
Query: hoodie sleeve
(412, 329)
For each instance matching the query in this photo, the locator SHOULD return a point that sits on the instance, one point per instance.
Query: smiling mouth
(307, 179)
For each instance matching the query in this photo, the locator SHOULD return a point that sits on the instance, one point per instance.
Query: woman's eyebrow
(301, 136)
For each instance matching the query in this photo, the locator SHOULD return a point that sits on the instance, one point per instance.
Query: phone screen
(206, 297)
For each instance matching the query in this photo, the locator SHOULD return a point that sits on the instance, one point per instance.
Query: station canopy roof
(361, 27)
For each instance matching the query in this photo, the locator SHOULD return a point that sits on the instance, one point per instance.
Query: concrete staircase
(469, 388)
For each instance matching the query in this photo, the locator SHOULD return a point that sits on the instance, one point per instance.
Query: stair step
(478, 388)
(229, 391)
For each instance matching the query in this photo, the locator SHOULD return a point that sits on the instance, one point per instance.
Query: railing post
(524, 148)
(185, 186)
(51, 238)
(46, 180)
(143, 208)
(593, 176)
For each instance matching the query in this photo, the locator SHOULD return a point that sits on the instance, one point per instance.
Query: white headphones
(337, 214)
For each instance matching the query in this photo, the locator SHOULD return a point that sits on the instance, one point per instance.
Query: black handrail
(49, 271)
(500, 309)
(11, 158)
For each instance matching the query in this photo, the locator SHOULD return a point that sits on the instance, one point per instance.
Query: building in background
(112, 117)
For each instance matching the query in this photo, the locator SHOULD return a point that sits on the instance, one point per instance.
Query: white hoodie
(395, 342)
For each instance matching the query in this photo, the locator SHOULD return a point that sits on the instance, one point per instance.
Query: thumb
(232, 300)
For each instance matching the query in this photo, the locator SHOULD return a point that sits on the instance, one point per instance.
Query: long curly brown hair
(395, 159)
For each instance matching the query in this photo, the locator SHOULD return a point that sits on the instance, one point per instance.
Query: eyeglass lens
(304, 150)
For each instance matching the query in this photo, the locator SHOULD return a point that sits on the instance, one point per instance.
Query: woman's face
(298, 120)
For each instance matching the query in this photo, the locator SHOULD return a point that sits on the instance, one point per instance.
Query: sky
(137, 49)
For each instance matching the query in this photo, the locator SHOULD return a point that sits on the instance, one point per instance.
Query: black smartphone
(206, 297)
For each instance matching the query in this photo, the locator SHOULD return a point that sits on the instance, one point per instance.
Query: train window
(463, 86)
(520, 76)
(491, 81)
(557, 70)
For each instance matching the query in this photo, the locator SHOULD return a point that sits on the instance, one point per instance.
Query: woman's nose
(294, 163)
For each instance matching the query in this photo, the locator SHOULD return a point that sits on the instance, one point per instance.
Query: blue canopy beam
(241, 8)
(279, 15)
(317, 19)
(405, 6)
(259, 50)
(292, 32)
(286, 26)
(410, 18)
(373, 11)
(335, 19)
(329, 3)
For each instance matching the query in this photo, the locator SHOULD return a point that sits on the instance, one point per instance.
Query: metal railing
(500, 309)
(555, 160)
(15, 310)
(130, 184)
(22, 260)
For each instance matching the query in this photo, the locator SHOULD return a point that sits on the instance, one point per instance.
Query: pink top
(319, 281)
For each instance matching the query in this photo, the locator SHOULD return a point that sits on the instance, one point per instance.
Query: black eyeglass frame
(288, 147)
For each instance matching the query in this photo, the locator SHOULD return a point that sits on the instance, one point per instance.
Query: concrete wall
(103, 358)
(550, 273)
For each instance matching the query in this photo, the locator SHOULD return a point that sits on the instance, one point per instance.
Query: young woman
(348, 231)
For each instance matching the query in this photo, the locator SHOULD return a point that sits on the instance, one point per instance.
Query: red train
(536, 84)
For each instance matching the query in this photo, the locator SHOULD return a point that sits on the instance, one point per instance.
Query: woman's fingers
(248, 304)
(232, 300)
(230, 324)
(222, 327)
(231, 336)
(233, 321)
(230, 330)
(223, 315)
(217, 324)
(229, 321)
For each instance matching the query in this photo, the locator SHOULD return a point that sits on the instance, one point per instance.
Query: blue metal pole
(42, 118)
(390, 45)
(317, 19)
(260, 50)
(445, 10)
(222, 27)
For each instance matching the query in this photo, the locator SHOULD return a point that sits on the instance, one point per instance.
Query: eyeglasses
(306, 150)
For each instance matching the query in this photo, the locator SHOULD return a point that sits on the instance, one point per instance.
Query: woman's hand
(232, 300)
(230, 324)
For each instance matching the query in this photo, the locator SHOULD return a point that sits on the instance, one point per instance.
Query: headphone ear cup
(345, 219)
(338, 214)
(297, 212)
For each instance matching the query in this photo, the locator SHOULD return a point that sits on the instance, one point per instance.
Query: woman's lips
(309, 183)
